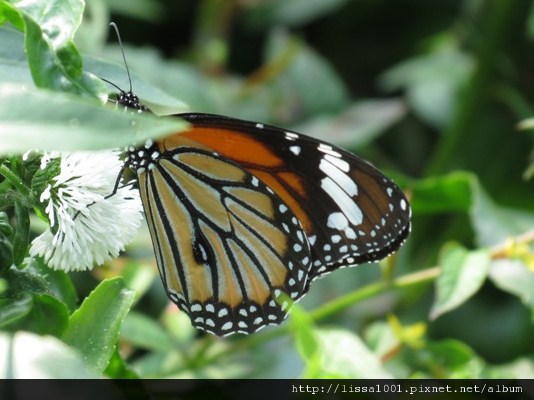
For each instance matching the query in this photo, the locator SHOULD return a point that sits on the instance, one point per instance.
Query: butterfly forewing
(351, 213)
(226, 245)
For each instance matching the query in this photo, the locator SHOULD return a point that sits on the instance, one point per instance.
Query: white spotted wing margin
(226, 245)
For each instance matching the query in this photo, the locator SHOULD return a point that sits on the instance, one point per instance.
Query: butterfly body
(240, 212)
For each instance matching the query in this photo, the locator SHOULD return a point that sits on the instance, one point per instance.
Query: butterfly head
(130, 100)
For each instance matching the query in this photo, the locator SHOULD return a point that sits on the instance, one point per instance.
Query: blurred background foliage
(431, 92)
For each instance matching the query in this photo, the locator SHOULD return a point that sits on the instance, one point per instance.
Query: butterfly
(240, 212)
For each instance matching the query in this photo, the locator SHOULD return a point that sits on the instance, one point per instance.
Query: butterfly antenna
(114, 25)
(111, 83)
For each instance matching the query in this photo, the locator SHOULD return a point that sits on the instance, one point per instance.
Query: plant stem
(15, 180)
(341, 303)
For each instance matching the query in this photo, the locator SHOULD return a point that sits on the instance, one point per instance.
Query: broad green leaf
(306, 79)
(5, 227)
(145, 333)
(6, 253)
(119, 369)
(513, 277)
(356, 125)
(462, 273)
(26, 280)
(13, 62)
(449, 193)
(493, 224)
(449, 359)
(22, 233)
(158, 364)
(94, 328)
(28, 356)
(58, 121)
(9, 13)
(58, 19)
(380, 338)
(48, 316)
(54, 61)
(431, 81)
(58, 283)
(344, 355)
(13, 310)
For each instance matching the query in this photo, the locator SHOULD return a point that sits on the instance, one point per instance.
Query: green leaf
(9, 13)
(25, 355)
(145, 333)
(431, 81)
(39, 313)
(5, 227)
(6, 247)
(449, 193)
(71, 124)
(493, 223)
(94, 328)
(119, 369)
(13, 63)
(449, 359)
(54, 61)
(308, 81)
(462, 273)
(344, 355)
(22, 234)
(48, 316)
(513, 277)
(58, 283)
(14, 309)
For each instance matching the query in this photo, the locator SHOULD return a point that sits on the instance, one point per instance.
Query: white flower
(88, 225)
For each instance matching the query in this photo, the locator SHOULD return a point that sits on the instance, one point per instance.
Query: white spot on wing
(338, 162)
(344, 202)
(337, 220)
(327, 149)
(291, 136)
(338, 176)
(295, 150)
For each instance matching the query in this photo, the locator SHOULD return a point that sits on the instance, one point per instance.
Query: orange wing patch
(256, 159)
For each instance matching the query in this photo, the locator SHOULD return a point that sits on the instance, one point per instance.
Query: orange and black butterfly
(240, 212)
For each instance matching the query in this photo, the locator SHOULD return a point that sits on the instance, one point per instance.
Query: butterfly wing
(350, 212)
(226, 245)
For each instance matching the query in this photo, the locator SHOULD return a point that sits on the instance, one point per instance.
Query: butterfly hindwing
(226, 245)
